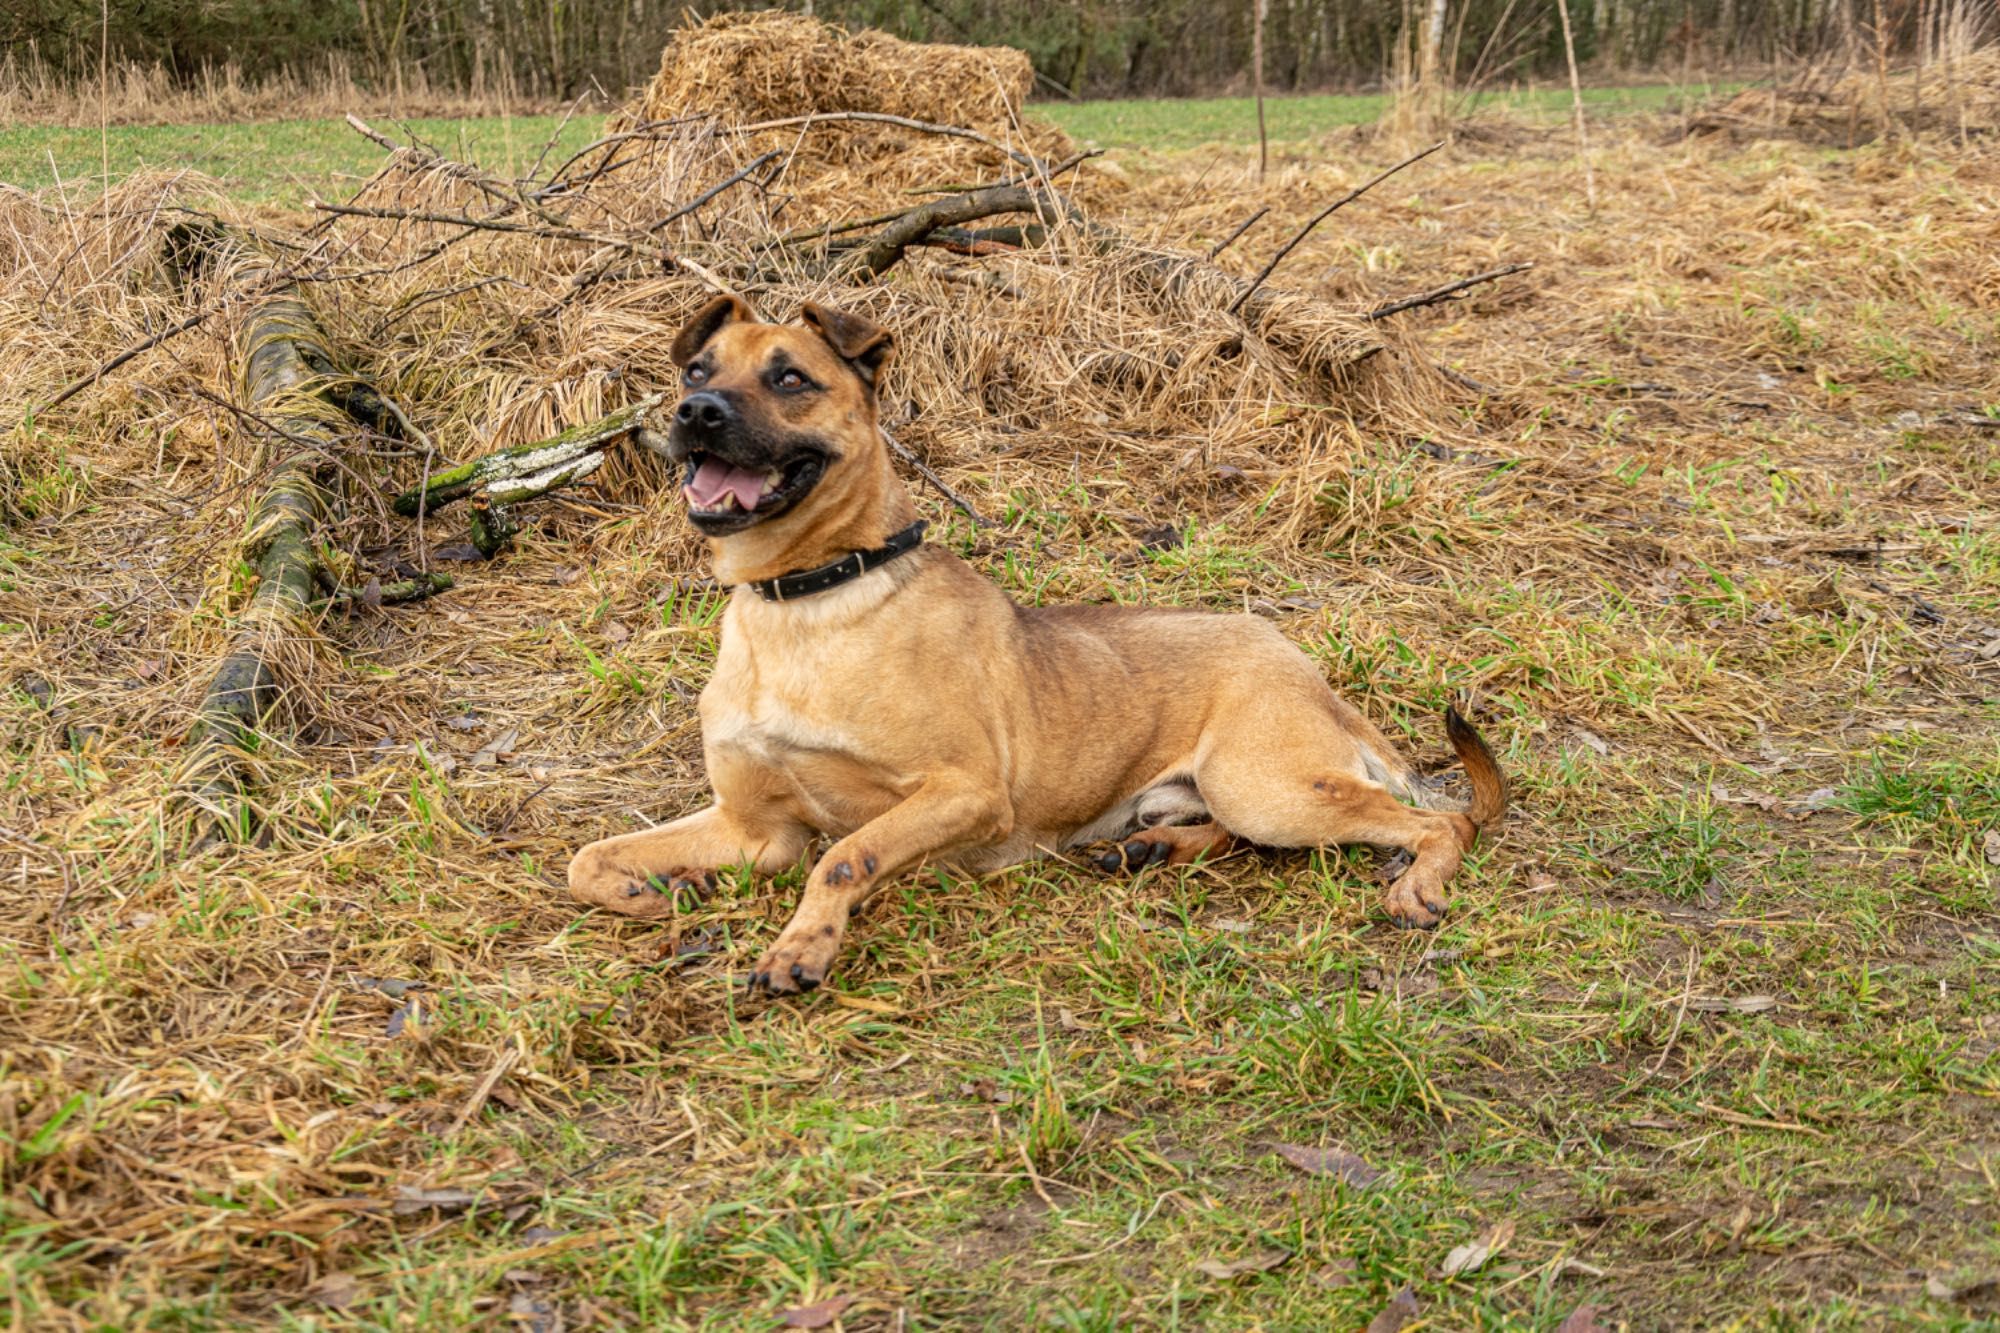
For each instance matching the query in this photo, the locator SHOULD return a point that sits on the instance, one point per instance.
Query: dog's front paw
(798, 962)
(632, 893)
(1416, 901)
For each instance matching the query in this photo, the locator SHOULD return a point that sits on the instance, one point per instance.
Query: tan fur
(917, 715)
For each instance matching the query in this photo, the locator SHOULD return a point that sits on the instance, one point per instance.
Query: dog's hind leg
(943, 815)
(1308, 784)
(627, 874)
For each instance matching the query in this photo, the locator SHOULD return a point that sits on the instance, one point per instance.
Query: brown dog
(884, 694)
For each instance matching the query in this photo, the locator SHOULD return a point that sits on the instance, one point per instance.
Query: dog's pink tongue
(715, 479)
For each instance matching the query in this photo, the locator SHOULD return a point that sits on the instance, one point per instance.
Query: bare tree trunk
(1434, 43)
(1259, 9)
(1576, 102)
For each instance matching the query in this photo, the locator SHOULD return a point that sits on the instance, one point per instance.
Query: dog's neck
(876, 506)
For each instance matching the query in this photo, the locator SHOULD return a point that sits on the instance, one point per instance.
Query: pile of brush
(1957, 95)
(341, 375)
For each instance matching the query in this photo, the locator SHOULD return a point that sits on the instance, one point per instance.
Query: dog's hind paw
(1413, 905)
(1134, 855)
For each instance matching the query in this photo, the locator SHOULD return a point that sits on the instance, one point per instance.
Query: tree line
(563, 48)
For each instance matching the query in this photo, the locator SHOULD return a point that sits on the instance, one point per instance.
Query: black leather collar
(806, 582)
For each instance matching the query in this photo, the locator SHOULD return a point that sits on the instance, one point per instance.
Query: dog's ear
(707, 322)
(861, 342)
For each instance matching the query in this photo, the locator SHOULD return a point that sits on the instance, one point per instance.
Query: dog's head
(773, 414)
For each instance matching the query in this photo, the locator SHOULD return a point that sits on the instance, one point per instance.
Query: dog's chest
(785, 699)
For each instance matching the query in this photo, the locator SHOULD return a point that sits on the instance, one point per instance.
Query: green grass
(282, 161)
(289, 161)
(1170, 123)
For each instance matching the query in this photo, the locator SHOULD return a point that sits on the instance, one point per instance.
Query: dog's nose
(703, 411)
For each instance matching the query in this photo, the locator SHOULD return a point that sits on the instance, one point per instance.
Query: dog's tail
(1489, 784)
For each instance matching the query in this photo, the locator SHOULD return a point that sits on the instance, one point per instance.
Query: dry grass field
(1700, 524)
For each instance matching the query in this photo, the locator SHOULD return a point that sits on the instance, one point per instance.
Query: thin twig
(1687, 989)
(1233, 236)
(477, 1100)
(712, 191)
(1322, 216)
(649, 130)
(1446, 292)
(551, 233)
(958, 501)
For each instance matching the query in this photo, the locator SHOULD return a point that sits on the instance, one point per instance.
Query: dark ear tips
(706, 323)
(859, 341)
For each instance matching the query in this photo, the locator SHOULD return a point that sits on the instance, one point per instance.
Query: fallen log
(301, 424)
(277, 347)
(495, 482)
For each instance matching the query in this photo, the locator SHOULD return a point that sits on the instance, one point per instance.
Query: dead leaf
(1591, 739)
(1566, 1264)
(1738, 1004)
(534, 1314)
(1235, 1268)
(487, 755)
(371, 593)
(405, 1014)
(542, 1235)
(1069, 1021)
(1336, 1274)
(1820, 798)
(147, 668)
(1981, 1290)
(986, 1090)
(412, 1199)
(1232, 926)
(616, 632)
(1990, 845)
(1330, 1162)
(1761, 800)
(1393, 866)
(1541, 881)
(336, 1291)
(1400, 1310)
(815, 1316)
(1472, 1256)
(1583, 1319)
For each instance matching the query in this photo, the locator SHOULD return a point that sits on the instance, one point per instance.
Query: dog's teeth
(728, 500)
(774, 478)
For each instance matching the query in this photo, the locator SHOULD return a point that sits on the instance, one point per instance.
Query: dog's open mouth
(724, 497)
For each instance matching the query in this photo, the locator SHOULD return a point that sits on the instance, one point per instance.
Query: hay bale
(770, 65)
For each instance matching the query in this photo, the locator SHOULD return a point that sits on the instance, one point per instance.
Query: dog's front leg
(942, 815)
(625, 874)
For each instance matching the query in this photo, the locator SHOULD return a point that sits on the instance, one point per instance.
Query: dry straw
(766, 66)
(1956, 94)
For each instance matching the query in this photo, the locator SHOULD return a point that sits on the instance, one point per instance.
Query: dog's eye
(695, 374)
(791, 379)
